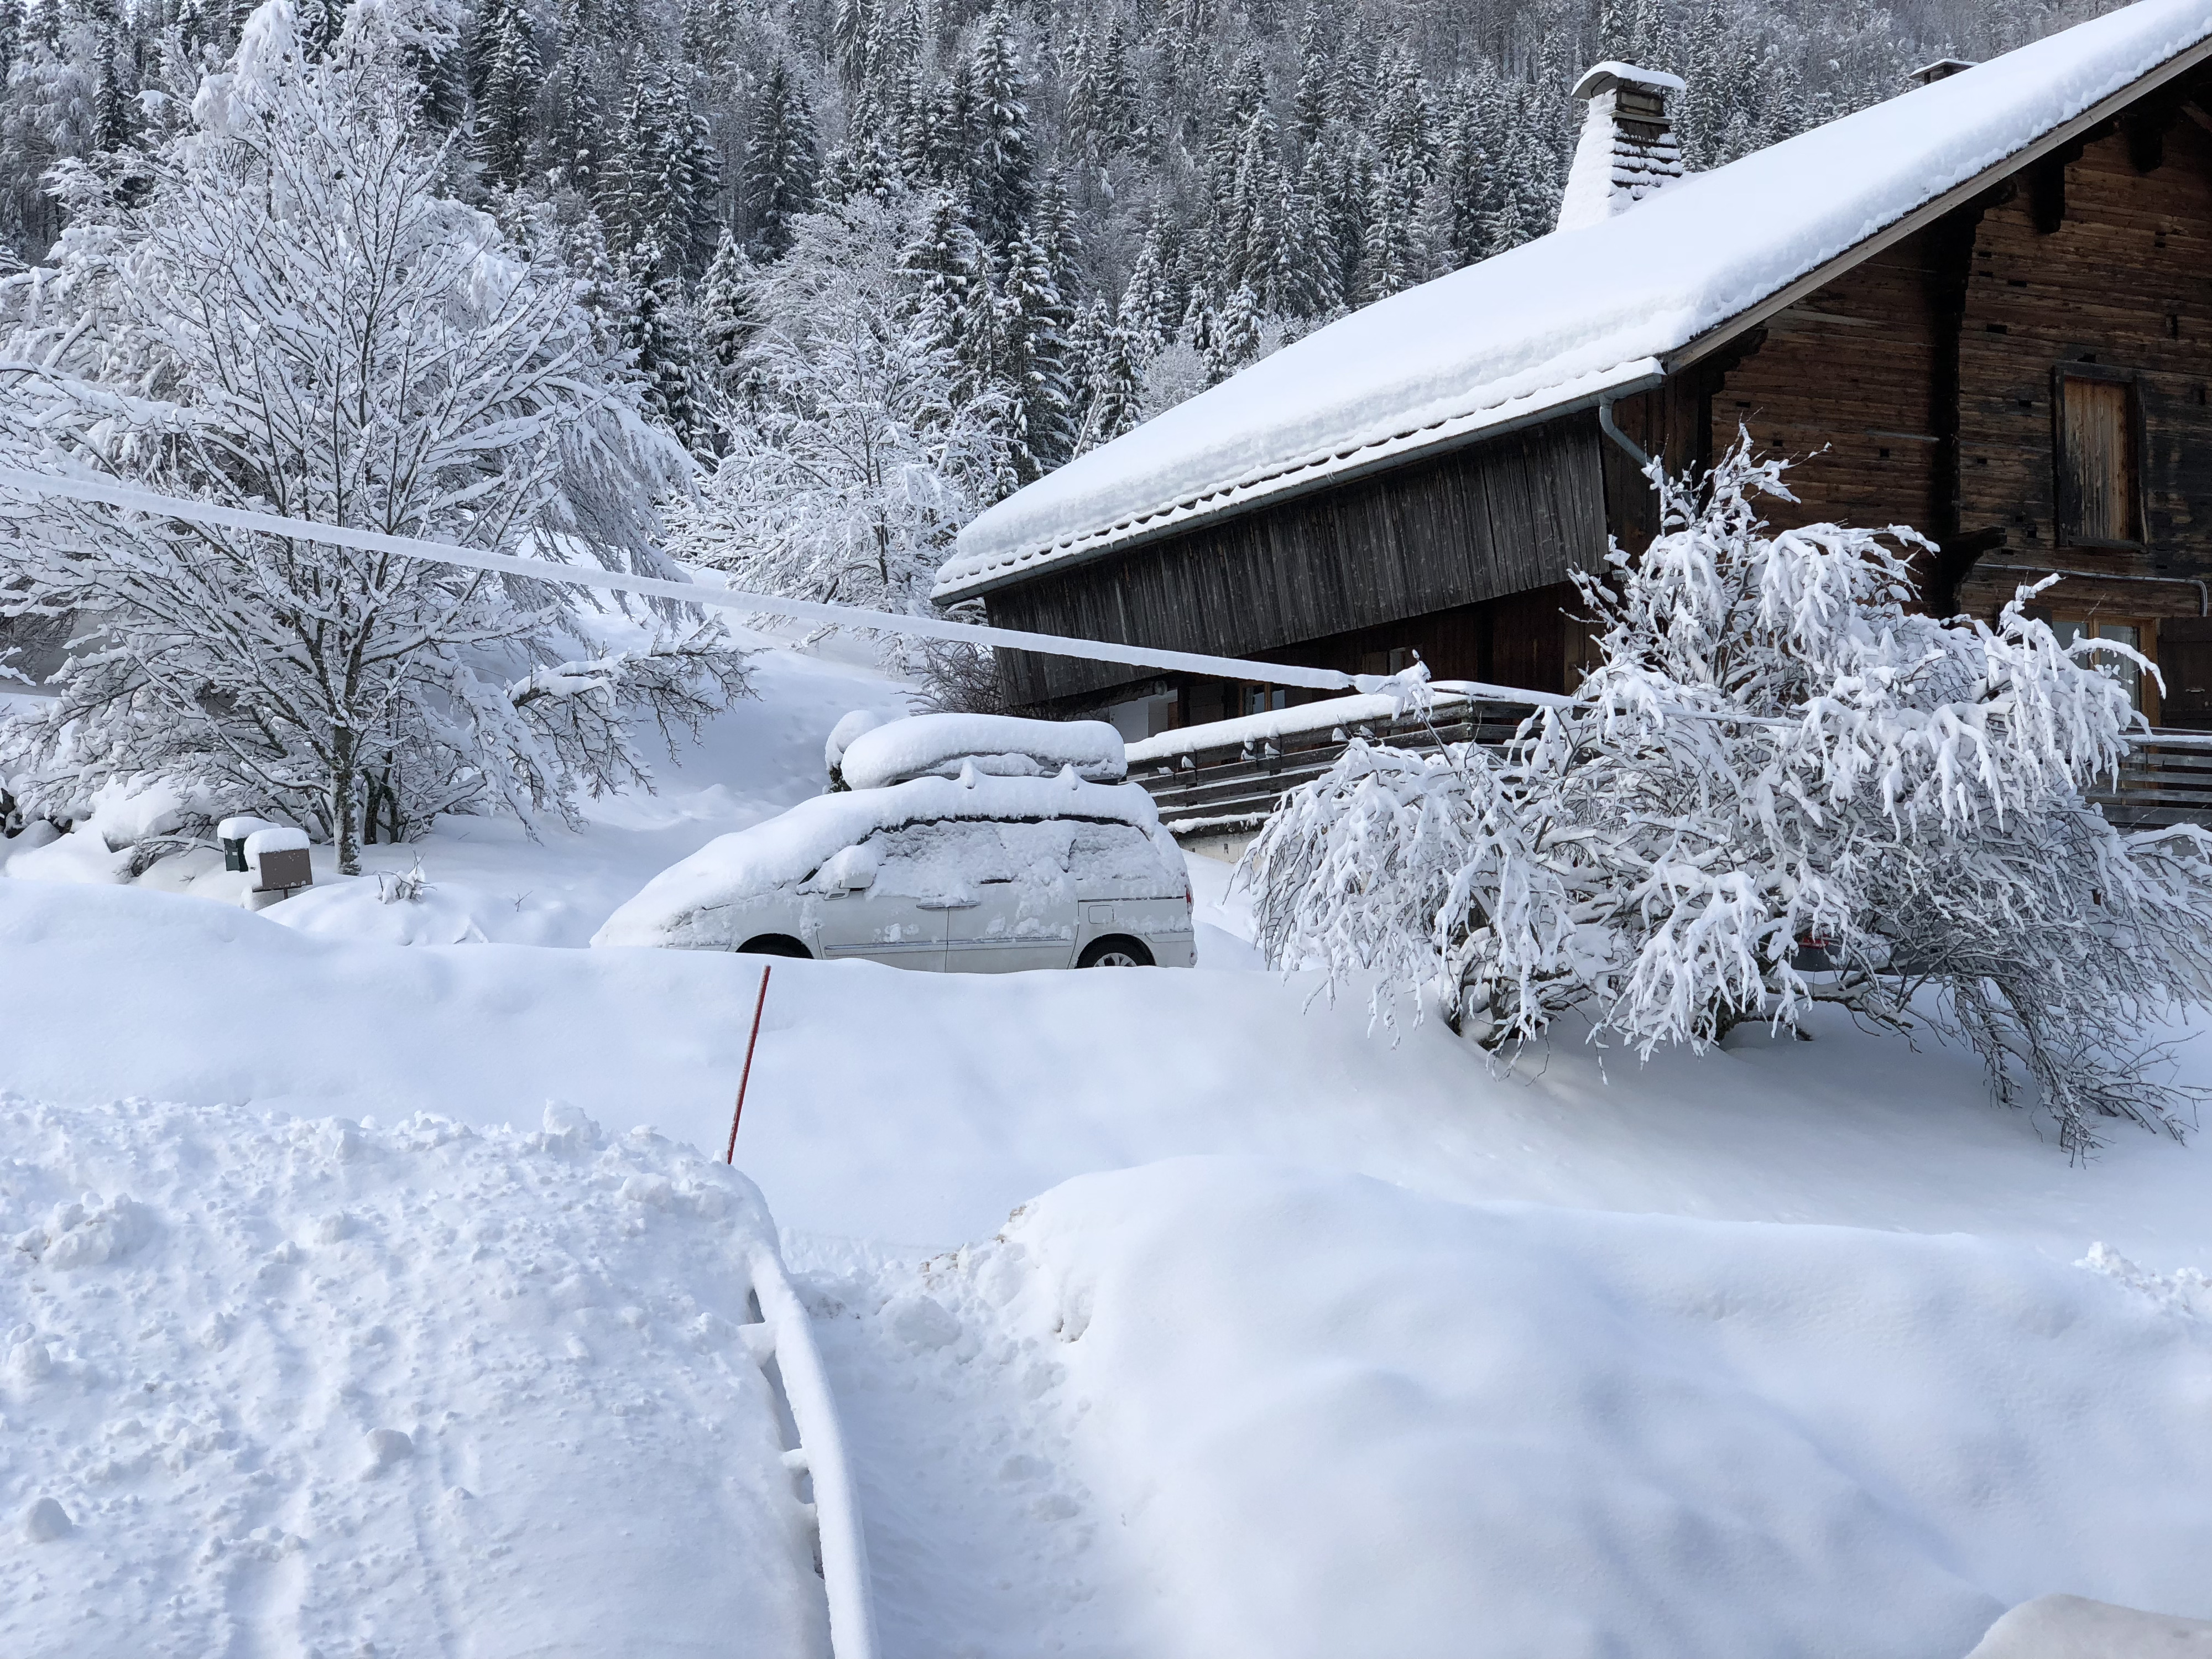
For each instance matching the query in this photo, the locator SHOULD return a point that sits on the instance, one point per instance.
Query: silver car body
(975, 874)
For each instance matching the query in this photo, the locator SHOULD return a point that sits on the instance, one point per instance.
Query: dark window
(2098, 465)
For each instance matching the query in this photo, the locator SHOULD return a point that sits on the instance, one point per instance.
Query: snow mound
(997, 745)
(681, 906)
(1558, 322)
(848, 727)
(364, 908)
(2071, 1627)
(323, 1386)
(1324, 1416)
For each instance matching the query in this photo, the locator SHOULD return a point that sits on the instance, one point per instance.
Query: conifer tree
(1002, 177)
(506, 104)
(777, 182)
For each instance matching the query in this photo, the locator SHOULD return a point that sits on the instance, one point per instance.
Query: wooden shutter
(2097, 467)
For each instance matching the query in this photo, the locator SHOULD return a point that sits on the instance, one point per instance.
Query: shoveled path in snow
(983, 1540)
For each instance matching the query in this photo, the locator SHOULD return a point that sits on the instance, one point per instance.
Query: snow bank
(678, 905)
(998, 744)
(366, 907)
(920, 1107)
(1568, 317)
(1319, 1415)
(2073, 1627)
(329, 1387)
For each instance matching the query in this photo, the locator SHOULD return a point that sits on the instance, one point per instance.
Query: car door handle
(946, 904)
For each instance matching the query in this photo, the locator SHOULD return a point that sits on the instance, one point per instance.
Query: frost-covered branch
(1777, 764)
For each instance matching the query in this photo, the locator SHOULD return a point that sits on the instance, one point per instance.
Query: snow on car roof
(793, 845)
(1568, 317)
(899, 750)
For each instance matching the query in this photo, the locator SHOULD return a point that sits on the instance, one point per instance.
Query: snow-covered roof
(898, 749)
(793, 845)
(1560, 322)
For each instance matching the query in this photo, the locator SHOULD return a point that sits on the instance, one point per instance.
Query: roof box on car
(996, 745)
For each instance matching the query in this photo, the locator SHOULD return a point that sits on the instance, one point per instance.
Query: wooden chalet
(1982, 309)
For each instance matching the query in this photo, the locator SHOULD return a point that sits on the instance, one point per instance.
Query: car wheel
(1115, 950)
(775, 944)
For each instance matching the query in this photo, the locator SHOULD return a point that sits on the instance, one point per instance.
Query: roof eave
(1175, 523)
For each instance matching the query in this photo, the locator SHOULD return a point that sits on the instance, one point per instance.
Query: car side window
(1116, 860)
(944, 862)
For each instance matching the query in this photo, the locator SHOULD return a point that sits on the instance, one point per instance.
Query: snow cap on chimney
(1941, 69)
(1627, 148)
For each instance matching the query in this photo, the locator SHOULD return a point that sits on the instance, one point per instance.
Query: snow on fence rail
(820, 1454)
(1226, 776)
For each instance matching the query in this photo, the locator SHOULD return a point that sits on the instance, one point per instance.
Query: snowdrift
(276, 1385)
(1312, 1414)
(919, 1108)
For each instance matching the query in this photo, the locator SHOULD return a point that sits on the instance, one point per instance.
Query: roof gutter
(1928, 212)
(1612, 430)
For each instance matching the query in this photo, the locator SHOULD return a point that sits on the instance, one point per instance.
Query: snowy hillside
(1297, 1341)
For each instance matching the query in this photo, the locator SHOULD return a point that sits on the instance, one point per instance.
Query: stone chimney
(1627, 148)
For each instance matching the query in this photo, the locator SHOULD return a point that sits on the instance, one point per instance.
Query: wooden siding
(2119, 285)
(1845, 385)
(1517, 513)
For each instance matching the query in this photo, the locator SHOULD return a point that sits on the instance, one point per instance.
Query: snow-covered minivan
(968, 843)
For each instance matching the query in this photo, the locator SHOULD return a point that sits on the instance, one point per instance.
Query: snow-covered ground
(1300, 1342)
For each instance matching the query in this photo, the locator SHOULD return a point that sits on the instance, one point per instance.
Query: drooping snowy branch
(1776, 764)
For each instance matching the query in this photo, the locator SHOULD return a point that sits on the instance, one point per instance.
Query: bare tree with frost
(1780, 787)
(855, 453)
(285, 313)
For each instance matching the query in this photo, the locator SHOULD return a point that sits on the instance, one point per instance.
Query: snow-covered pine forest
(893, 258)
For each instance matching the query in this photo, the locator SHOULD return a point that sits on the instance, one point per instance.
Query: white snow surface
(679, 905)
(1306, 1413)
(283, 1386)
(278, 838)
(2073, 1627)
(1567, 317)
(999, 744)
(1314, 1342)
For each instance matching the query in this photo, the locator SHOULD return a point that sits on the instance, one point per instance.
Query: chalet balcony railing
(1224, 778)
(2167, 779)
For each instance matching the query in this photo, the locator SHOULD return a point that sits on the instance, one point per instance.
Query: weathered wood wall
(1517, 513)
(2123, 282)
(1917, 387)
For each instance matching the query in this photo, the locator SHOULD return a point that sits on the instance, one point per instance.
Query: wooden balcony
(1223, 780)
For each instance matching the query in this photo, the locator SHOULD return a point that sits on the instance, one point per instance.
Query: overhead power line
(843, 615)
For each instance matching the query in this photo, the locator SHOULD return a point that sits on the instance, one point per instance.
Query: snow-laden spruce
(281, 309)
(856, 451)
(1776, 763)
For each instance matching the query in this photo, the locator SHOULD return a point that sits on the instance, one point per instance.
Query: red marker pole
(745, 1076)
